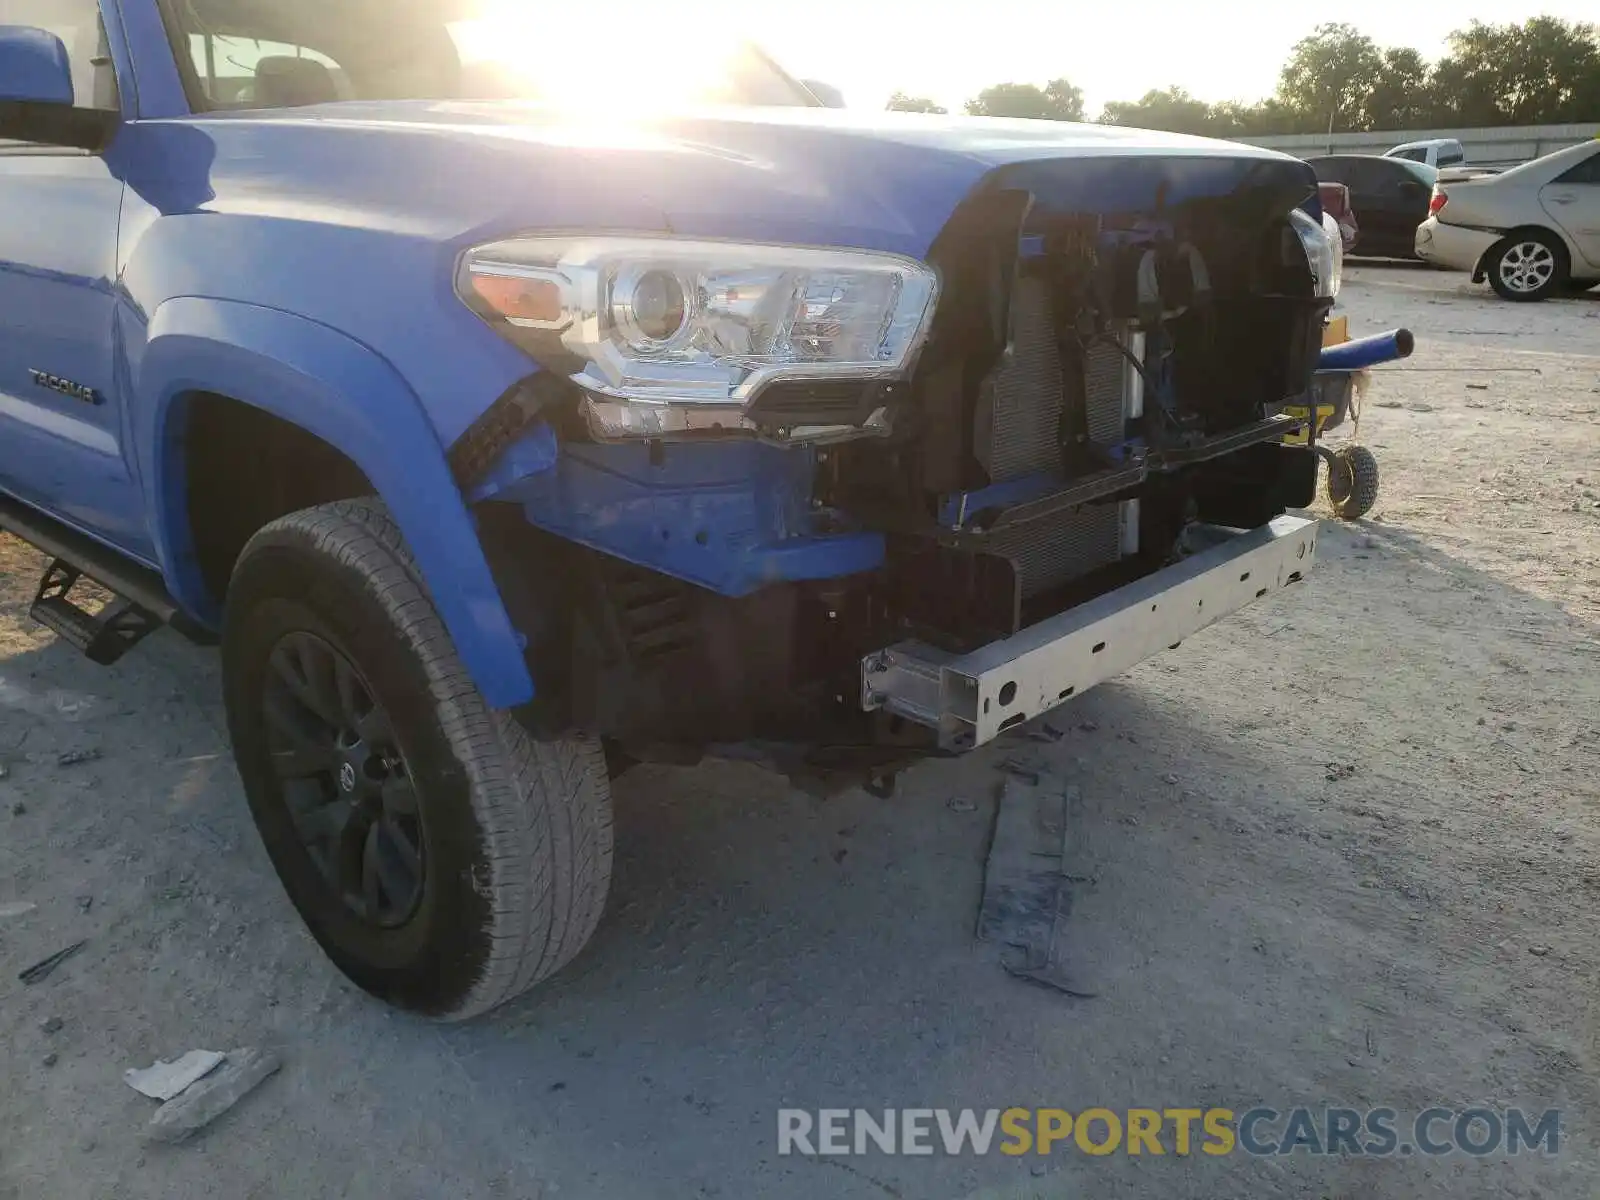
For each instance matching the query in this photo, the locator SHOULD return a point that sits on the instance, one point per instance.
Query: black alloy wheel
(443, 856)
(344, 780)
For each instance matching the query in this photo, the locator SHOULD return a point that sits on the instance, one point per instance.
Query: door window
(288, 53)
(247, 72)
(1331, 170)
(1587, 171)
(1371, 175)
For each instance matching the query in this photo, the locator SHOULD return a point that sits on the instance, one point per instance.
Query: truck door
(61, 434)
(1573, 201)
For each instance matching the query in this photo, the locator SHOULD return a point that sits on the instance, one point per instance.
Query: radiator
(1032, 388)
(1056, 550)
(1030, 392)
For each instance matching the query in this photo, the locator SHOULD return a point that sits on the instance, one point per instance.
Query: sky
(1114, 51)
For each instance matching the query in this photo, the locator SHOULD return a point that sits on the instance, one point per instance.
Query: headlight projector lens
(650, 307)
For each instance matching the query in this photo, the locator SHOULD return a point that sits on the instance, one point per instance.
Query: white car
(1438, 153)
(1532, 231)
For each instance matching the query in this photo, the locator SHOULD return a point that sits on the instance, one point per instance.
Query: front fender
(351, 398)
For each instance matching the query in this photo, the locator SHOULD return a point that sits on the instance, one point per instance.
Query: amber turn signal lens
(520, 299)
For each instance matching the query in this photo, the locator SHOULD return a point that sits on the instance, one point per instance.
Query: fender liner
(344, 393)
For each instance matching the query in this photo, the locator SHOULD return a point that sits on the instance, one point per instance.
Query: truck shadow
(1243, 909)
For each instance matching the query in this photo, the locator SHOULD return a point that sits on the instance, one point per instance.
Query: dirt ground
(1374, 881)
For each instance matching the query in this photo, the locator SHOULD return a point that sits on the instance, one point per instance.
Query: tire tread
(543, 807)
(1362, 465)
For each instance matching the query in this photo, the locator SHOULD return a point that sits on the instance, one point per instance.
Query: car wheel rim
(1341, 481)
(344, 783)
(1527, 266)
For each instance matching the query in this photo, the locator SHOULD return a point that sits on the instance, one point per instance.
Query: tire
(1527, 266)
(444, 859)
(1352, 482)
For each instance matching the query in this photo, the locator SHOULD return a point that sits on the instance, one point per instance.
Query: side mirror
(36, 95)
(34, 67)
(830, 96)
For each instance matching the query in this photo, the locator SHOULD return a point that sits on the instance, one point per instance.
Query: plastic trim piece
(730, 516)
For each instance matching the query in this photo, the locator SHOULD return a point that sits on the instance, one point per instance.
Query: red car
(1336, 203)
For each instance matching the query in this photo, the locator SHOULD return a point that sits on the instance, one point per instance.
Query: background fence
(1505, 147)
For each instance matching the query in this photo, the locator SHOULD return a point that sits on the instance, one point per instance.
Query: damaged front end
(868, 508)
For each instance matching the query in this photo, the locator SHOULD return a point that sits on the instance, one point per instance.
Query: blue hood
(885, 181)
(354, 215)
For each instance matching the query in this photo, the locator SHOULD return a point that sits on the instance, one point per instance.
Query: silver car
(1532, 231)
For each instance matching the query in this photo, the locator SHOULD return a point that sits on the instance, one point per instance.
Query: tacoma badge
(66, 387)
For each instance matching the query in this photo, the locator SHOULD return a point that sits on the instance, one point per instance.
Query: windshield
(285, 53)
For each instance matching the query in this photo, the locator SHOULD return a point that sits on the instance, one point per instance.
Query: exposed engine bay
(1118, 379)
(1094, 384)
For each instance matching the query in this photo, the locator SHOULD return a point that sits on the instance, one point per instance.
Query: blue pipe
(1368, 351)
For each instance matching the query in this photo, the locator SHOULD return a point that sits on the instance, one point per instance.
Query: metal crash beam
(971, 699)
(1269, 430)
(1097, 486)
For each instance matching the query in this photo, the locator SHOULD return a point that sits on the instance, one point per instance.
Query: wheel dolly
(1336, 396)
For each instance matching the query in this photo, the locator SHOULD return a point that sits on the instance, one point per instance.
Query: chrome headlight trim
(752, 314)
(1323, 249)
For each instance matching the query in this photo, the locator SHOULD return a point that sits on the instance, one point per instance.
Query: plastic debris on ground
(43, 969)
(201, 1103)
(1027, 894)
(199, 1087)
(164, 1080)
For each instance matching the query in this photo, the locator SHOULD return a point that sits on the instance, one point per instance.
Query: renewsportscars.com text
(1259, 1131)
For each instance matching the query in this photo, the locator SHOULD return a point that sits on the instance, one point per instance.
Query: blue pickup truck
(509, 416)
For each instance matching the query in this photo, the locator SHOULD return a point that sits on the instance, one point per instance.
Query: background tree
(1058, 100)
(1402, 94)
(900, 102)
(1550, 64)
(1066, 101)
(1329, 77)
(1466, 81)
(1171, 109)
(1234, 119)
(1545, 71)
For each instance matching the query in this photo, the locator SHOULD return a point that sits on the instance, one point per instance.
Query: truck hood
(885, 181)
(354, 215)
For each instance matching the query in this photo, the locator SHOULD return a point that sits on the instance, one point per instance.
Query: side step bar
(140, 604)
(103, 636)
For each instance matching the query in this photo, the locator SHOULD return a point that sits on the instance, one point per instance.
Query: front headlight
(1330, 229)
(671, 336)
(1324, 251)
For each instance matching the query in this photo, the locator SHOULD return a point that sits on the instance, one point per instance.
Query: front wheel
(1527, 266)
(444, 858)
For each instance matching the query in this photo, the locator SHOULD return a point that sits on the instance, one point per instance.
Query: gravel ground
(1341, 849)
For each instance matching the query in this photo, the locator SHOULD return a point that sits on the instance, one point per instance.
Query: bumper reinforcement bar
(973, 698)
(1101, 484)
